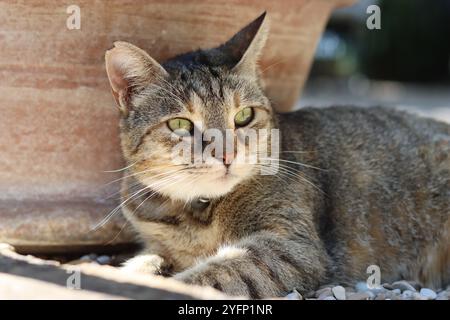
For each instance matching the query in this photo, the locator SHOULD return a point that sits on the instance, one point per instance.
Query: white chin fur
(206, 185)
(203, 187)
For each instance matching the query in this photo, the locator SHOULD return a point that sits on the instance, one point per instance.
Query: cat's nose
(227, 159)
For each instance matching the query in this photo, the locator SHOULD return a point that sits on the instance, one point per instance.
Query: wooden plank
(26, 277)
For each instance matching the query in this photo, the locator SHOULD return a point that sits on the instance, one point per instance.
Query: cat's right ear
(129, 69)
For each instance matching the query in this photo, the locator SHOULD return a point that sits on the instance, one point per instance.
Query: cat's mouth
(190, 181)
(228, 175)
(222, 173)
(213, 169)
(220, 176)
(202, 181)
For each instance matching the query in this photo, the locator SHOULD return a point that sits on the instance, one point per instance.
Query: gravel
(399, 290)
(103, 259)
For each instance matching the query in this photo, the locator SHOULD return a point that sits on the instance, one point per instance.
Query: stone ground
(399, 290)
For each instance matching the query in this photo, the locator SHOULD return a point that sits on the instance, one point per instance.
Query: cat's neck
(142, 197)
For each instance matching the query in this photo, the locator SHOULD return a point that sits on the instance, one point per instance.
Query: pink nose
(228, 158)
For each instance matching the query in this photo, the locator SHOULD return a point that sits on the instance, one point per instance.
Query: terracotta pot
(58, 124)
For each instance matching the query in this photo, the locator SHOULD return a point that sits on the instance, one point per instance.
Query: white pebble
(294, 295)
(428, 293)
(103, 259)
(339, 292)
(86, 258)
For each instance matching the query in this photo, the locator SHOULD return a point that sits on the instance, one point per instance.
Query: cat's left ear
(245, 47)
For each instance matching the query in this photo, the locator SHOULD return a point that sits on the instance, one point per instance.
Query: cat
(353, 187)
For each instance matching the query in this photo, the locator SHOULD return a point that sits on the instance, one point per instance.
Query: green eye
(180, 126)
(243, 117)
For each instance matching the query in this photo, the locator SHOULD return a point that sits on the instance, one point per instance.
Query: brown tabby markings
(355, 187)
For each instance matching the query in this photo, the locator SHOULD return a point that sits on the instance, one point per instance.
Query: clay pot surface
(59, 124)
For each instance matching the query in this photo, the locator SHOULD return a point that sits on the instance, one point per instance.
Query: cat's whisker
(282, 165)
(294, 162)
(277, 175)
(283, 175)
(292, 170)
(140, 173)
(134, 211)
(121, 169)
(163, 203)
(138, 182)
(289, 151)
(177, 178)
(287, 170)
(309, 182)
(173, 181)
(113, 212)
(133, 196)
(255, 180)
(118, 233)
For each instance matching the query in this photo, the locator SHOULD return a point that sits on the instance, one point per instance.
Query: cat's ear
(246, 46)
(130, 68)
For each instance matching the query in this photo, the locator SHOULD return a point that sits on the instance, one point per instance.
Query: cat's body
(381, 197)
(355, 187)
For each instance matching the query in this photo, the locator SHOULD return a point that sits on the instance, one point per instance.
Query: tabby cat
(353, 187)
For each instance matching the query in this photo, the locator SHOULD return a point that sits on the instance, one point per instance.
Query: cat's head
(163, 104)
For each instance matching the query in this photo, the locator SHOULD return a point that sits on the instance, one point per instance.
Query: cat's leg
(145, 263)
(263, 265)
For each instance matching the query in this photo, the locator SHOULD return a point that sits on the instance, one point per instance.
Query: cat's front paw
(145, 263)
(216, 278)
(197, 278)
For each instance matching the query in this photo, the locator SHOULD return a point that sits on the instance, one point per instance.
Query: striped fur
(356, 187)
